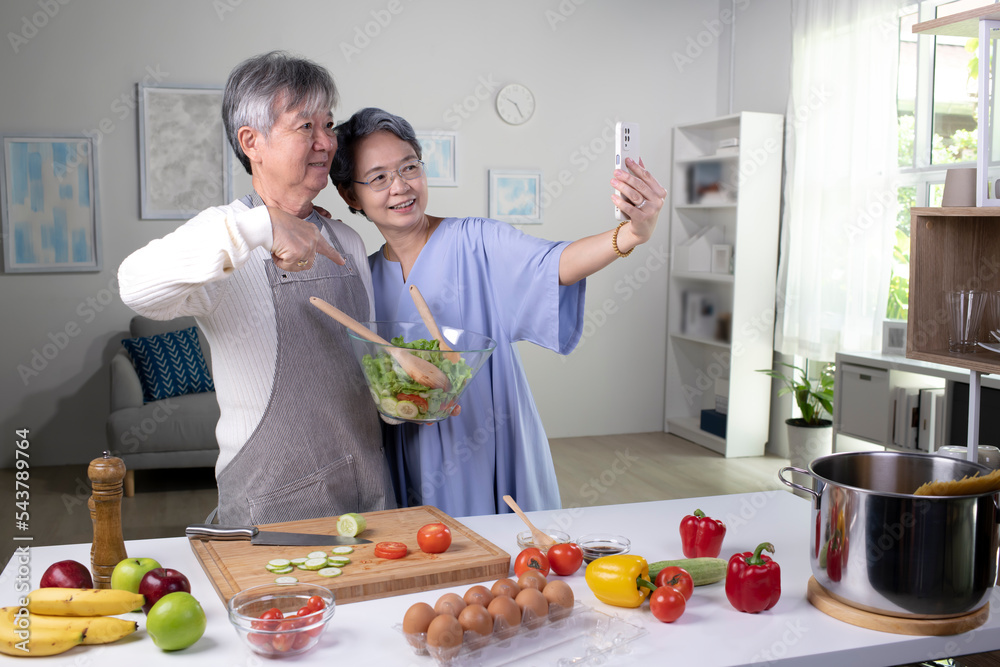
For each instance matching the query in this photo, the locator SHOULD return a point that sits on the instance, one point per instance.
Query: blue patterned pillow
(169, 364)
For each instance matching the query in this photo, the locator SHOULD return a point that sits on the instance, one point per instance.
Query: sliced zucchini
(279, 562)
(286, 580)
(281, 570)
(298, 561)
(338, 561)
(316, 554)
(330, 572)
(342, 550)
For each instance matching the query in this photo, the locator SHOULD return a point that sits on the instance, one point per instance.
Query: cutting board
(235, 565)
(935, 627)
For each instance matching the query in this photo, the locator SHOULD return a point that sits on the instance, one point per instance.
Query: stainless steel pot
(876, 546)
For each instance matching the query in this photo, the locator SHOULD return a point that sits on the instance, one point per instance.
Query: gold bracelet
(614, 240)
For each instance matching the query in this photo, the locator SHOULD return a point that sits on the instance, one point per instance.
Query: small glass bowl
(525, 540)
(280, 638)
(596, 545)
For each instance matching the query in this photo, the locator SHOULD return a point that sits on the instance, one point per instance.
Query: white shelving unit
(745, 207)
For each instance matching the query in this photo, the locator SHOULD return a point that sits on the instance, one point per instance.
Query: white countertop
(709, 633)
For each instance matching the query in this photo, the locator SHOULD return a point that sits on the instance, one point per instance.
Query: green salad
(400, 397)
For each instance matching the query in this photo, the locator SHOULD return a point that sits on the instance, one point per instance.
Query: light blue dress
(487, 277)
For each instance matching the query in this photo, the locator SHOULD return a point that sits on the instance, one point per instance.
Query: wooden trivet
(937, 627)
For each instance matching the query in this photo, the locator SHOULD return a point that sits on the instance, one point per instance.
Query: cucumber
(279, 562)
(314, 564)
(702, 570)
(388, 406)
(316, 554)
(286, 580)
(329, 572)
(351, 524)
(407, 409)
(342, 550)
(338, 561)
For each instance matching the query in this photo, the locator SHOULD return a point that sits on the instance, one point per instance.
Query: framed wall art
(49, 201)
(184, 158)
(439, 150)
(516, 196)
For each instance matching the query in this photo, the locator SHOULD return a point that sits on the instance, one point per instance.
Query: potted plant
(810, 435)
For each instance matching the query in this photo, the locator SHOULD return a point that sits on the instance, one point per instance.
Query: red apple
(67, 574)
(159, 582)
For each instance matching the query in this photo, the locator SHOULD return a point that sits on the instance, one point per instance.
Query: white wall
(79, 67)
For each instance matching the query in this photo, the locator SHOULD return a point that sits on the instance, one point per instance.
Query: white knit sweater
(212, 268)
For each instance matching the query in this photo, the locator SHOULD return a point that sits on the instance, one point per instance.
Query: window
(937, 98)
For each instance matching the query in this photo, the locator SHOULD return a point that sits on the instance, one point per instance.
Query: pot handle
(793, 484)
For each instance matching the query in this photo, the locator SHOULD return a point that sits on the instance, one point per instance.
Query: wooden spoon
(542, 541)
(420, 370)
(428, 318)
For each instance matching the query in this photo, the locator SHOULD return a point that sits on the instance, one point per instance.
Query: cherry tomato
(434, 538)
(419, 401)
(676, 577)
(302, 639)
(283, 642)
(316, 602)
(390, 550)
(531, 558)
(667, 604)
(565, 558)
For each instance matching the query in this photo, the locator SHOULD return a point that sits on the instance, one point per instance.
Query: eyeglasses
(383, 179)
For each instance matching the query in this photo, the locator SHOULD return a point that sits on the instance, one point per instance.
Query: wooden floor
(602, 470)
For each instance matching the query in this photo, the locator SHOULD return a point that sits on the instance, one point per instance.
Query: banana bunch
(57, 619)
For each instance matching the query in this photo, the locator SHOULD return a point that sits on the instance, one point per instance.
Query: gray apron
(317, 450)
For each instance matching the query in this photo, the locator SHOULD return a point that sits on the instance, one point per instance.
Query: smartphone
(626, 145)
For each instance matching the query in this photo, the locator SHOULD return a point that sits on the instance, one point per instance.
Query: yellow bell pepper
(621, 580)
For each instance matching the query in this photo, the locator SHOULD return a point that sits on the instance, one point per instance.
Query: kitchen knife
(208, 531)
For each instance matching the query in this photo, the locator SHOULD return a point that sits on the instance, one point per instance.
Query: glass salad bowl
(395, 393)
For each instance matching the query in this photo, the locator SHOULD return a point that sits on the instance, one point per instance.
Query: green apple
(176, 621)
(129, 573)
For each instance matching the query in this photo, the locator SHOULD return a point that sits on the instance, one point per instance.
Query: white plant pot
(806, 443)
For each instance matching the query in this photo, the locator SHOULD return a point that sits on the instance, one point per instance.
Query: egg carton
(580, 635)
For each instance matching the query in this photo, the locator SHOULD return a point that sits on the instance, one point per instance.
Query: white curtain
(840, 186)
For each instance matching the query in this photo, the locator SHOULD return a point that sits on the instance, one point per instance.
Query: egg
(533, 604)
(451, 604)
(505, 608)
(478, 595)
(445, 632)
(559, 593)
(476, 619)
(417, 618)
(532, 579)
(505, 587)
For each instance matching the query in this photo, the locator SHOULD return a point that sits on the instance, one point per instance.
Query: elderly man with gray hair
(298, 435)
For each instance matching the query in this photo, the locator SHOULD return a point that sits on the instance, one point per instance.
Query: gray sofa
(176, 432)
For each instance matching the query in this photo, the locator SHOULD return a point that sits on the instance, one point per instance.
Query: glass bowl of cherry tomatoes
(278, 620)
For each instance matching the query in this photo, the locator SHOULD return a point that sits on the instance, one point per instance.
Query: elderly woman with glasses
(484, 276)
(298, 436)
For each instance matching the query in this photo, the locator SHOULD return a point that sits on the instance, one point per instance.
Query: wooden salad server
(420, 370)
(428, 318)
(542, 541)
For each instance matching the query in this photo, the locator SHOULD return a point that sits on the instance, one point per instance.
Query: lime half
(351, 524)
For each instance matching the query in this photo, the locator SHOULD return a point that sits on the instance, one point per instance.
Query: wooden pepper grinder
(108, 549)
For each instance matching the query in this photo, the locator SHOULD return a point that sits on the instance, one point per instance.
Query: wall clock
(515, 103)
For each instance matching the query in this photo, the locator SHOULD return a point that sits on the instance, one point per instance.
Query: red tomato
(667, 604)
(565, 558)
(531, 559)
(676, 577)
(419, 401)
(316, 602)
(390, 550)
(434, 538)
(283, 642)
(302, 639)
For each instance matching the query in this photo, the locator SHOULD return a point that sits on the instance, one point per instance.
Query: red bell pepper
(701, 536)
(753, 580)
(835, 557)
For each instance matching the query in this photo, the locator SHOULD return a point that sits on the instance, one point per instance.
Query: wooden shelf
(951, 248)
(962, 24)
